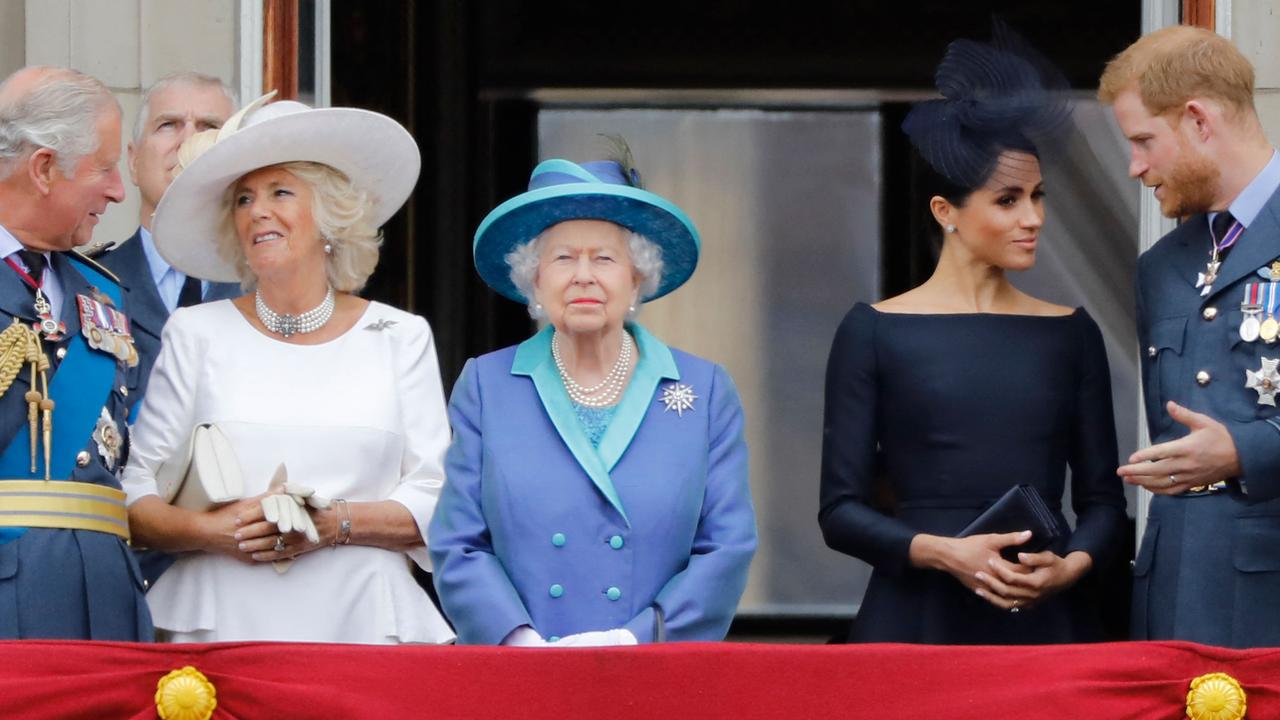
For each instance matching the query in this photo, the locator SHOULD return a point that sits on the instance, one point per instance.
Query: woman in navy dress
(967, 386)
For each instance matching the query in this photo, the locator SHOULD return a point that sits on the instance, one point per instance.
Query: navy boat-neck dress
(960, 408)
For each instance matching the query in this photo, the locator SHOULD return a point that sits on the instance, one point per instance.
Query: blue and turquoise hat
(561, 190)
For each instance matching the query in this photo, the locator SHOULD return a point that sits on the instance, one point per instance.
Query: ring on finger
(1173, 480)
(1015, 608)
(279, 544)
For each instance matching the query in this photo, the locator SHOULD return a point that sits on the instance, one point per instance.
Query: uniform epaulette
(97, 266)
(95, 250)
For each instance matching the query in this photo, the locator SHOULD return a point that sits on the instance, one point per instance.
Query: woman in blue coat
(596, 488)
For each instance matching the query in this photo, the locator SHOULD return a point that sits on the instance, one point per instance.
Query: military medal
(49, 329)
(1270, 327)
(1206, 279)
(1251, 325)
(106, 328)
(106, 435)
(1265, 380)
(1273, 272)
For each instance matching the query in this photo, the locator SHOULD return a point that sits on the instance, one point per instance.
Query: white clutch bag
(203, 473)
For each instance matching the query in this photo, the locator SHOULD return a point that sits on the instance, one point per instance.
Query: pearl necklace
(289, 325)
(607, 391)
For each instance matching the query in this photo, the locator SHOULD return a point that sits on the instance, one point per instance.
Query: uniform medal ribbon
(1206, 279)
(1250, 325)
(1270, 326)
(50, 329)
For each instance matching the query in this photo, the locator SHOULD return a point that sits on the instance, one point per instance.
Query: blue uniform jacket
(1208, 567)
(74, 584)
(653, 531)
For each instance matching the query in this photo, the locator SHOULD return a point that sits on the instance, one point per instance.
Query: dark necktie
(35, 263)
(1222, 222)
(190, 294)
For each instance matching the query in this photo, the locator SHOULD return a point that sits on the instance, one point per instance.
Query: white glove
(289, 513)
(524, 636)
(598, 638)
(302, 492)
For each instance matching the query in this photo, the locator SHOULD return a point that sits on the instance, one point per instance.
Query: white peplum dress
(361, 417)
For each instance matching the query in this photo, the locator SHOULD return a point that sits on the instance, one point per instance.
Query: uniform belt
(1202, 490)
(64, 505)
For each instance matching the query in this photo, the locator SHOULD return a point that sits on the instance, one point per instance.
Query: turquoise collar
(655, 364)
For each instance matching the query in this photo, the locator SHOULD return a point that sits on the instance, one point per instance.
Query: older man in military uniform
(65, 346)
(1208, 293)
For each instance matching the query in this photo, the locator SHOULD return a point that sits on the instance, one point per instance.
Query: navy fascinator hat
(995, 97)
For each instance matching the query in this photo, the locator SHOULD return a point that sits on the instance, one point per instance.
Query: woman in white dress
(344, 392)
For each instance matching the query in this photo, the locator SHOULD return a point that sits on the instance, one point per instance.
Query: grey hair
(646, 258)
(60, 112)
(186, 77)
(343, 214)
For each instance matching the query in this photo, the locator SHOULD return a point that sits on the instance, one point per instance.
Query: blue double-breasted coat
(653, 531)
(1208, 565)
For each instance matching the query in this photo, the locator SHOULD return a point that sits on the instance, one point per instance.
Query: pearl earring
(328, 249)
(950, 228)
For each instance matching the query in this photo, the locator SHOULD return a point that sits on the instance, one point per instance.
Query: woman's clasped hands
(278, 525)
(976, 562)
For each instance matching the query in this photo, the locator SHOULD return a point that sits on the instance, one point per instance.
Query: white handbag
(203, 473)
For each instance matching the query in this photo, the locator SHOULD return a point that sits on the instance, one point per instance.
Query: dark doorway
(466, 77)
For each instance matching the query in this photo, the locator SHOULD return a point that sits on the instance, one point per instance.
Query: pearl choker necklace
(605, 393)
(289, 325)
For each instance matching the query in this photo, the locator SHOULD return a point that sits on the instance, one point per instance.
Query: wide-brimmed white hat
(374, 151)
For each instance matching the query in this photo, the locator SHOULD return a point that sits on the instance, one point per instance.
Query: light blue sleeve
(698, 603)
(475, 591)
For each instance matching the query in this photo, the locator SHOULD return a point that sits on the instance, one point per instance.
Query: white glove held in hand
(524, 636)
(598, 638)
(290, 515)
(308, 495)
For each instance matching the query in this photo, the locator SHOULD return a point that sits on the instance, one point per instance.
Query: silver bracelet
(344, 522)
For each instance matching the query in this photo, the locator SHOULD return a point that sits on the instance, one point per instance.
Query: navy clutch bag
(1021, 508)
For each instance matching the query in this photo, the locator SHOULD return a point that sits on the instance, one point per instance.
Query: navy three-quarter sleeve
(849, 437)
(1096, 492)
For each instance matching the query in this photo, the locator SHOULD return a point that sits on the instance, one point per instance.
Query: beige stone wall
(13, 41)
(1255, 29)
(127, 44)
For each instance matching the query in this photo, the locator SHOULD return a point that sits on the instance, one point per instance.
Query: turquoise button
(556, 590)
(615, 542)
(613, 593)
(558, 539)
(553, 638)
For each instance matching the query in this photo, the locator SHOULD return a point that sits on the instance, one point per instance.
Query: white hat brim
(379, 156)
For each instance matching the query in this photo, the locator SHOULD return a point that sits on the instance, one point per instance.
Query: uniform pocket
(1255, 543)
(1257, 583)
(1164, 369)
(1142, 563)
(9, 589)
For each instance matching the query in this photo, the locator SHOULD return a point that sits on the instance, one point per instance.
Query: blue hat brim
(525, 216)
